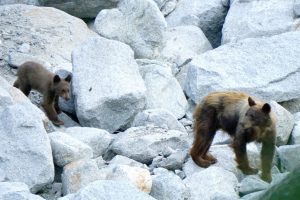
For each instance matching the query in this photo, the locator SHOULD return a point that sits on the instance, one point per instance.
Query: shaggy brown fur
(32, 75)
(243, 119)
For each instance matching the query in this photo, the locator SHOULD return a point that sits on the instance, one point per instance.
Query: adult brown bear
(243, 119)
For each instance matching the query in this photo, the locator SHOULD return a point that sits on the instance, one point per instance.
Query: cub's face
(258, 115)
(62, 86)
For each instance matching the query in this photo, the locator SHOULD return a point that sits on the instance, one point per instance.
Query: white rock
(138, 23)
(249, 19)
(289, 157)
(212, 183)
(252, 183)
(16, 191)
(123, 160)
(108, 88)
(66, 149)
(172, 162)
(79, 174)
(295, 137)
(158, 117)
(28, 2)
(217, 70)
(209, 15)
(25, 147)
(133, 141)
(51, 34)
(109, 190)
(163, 90)
(284, 125)
(293, 105)
(297, 8)
(221, 137)
(140, 177)
(97, 139)
(168, 186)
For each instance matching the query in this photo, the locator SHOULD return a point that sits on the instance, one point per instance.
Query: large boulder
(28, 2)
(163, 90)
(289, 157)
(213, 183)
(249, 19)
(123, 160)
(25, 147)
(108, 89)
(252, 183)
(138, 23)
(42, 34)
(209, 15)
(295, 137)
(16, 191)
(108, 190)
(133, 141)
(267, 68)
(80, 8)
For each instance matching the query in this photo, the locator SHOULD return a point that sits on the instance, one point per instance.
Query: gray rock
(284, 125)
(123, 160)
(80, 8)
(289, 157)
(140, 177)
(66, 149)
(172, 162)
(249, 19)
(252, 183)
(79, 174)
(50, 33)
(253, 196)
(114, 91)
(109, 190)
(138, 23)
(16, 191)
(97, 139)
(297, 8)
(293, 105)
(133, 141)
(209, 15)
(25, 146)
(295, 137)
(158, 117)
(221, 137)
(163, 90)
(52, 191)
(206, 184)
(217, 69)
(28, 2)
(168, 186)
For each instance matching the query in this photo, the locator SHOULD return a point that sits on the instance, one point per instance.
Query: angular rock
(217, 69)
(172, 162)
(122, 160)
(47, 34)
(209, 15)
(28, 2)
(293, 105)
(158, 117)
(206, 184)
(69, 122)
(297, 8)
(166, 6)
(17, 191)
(97, 139)
(163, 90)
(138, 23)
(79, 174)
(252, 183)
(284, 125)
(80, 8)
(25, 146)
(295, 137)
(52, 191)
(140, 177)
(66, 149)
(168, 186)
(289, 157)
(109, 190)
(249, 19)
(114, 92)
(133, 141)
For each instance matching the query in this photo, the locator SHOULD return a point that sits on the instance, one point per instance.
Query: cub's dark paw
(266, 177)
(57, 122)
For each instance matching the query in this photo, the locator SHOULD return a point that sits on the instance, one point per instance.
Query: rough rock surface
(252, 183)
(295, 137)
(114, 91)
(142, 29)
(289, 157)
(123, 160)
(16, 191)
(253, 60)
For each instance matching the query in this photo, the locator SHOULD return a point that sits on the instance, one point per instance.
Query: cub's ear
(266, 108)
(68, 78)
(251, 102)
(56, 79)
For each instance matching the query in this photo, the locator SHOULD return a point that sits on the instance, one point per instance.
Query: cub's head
(62, 86)
(258, 114)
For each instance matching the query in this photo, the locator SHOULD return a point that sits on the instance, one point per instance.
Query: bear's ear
(56, 79)
(251, 102)
(266, 108)
(68, 78)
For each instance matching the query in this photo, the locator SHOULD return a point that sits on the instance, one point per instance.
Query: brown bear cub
(244, 119)
(32, 75)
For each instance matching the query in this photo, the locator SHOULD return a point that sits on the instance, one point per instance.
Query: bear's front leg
(57, 109)
(267, 154)
(48, 105)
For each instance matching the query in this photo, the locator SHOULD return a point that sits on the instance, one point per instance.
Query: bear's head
(62, 86)
(258, 114)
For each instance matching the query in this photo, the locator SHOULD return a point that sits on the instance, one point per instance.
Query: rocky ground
(139, 67)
